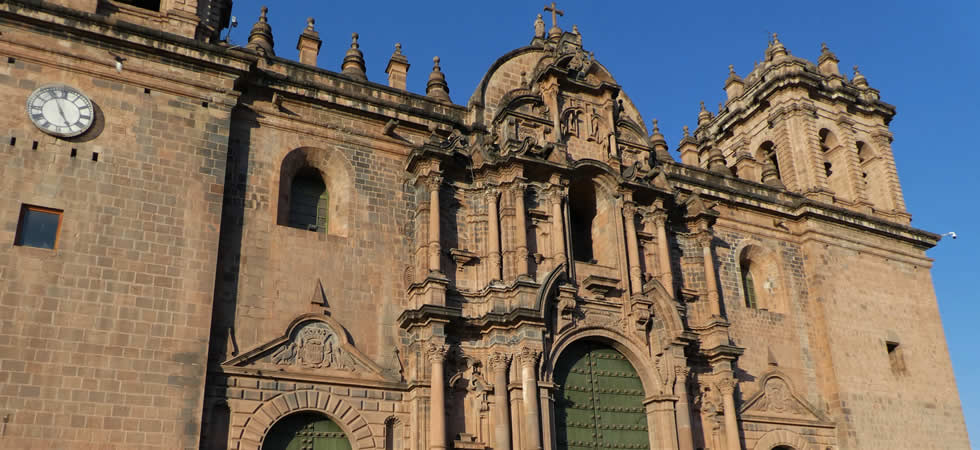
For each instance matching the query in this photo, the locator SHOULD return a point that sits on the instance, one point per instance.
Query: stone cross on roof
(555, 12)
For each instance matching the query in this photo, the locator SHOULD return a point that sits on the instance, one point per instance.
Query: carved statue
(595, 125)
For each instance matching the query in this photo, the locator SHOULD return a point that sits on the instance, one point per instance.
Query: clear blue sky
(668, 56)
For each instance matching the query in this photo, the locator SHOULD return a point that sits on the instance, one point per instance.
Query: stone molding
(335, 408)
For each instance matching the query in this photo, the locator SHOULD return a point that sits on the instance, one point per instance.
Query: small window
(38, 227)
(895, 358)
(308, 201)
(748, 286)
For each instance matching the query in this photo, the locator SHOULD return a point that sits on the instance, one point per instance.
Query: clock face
(60, 110)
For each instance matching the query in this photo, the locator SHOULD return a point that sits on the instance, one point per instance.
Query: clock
(60, 110)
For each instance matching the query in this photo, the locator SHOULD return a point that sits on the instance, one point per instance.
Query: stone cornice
(102, 31)
(779, 202)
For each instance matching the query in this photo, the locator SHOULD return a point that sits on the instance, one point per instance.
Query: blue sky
(668, 56)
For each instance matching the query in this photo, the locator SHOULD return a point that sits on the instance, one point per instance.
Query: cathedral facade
(209, 246)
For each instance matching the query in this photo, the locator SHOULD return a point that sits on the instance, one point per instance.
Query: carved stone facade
(750, 295)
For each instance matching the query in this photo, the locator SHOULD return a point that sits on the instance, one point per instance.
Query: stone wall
(103, 339)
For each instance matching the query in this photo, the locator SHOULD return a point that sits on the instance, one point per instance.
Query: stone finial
(397, 69)
(437, 87)
(658, 143)
(688, 148)
(716, 162)
(776, 49)
(353, 65)
(575, 29)
(827, 62)
(734, 86)
(260, 38)
(703, 115)
(859, 79)
(309, 44)
(539, 27)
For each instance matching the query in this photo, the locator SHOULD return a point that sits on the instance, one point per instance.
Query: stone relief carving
(777, 398)
(314, 346)
(571, 119)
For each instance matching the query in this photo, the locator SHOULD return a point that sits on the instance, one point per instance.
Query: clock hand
(61, 111)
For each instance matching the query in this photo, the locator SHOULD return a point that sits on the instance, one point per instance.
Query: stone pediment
(777, 401)
(312, 344)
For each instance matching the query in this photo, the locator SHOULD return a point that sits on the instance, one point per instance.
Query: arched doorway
(600, 400)
(306, 431)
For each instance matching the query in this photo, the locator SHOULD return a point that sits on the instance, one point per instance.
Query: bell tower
(195, 19)
(808, 128)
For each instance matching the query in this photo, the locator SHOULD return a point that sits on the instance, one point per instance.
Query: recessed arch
(761, 281)
(258, 425)
(634, 353)
(767, 153)
(592, 208)
(782, 438)
(329, 166)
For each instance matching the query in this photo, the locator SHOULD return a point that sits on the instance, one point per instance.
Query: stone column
(711, 285)
(522, 265)
(727, 388)
(659, 219)
(632, 248)
(528, 358)
(493, 230)
(557, 226)
(437, 407)
(685, 438)
(435, 247)
(501, 429)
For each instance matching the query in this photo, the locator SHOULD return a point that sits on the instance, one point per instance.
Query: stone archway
(333, 407)
(599, 399)
(306, 430)
(781, 439)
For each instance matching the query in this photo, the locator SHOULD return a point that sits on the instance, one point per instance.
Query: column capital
(433, 181)
(528, 356)
(727, 385)
(629, 210)
(682, 373)
(556, 193)
(498, 361)
(656, 216)
(704, 238)
(436, 352)
(491, 193)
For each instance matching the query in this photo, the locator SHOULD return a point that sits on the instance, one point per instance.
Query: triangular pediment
(312, 344)
(778, 401)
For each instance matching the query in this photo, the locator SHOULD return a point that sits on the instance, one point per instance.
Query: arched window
(767, 152)
(308, 201)
(760, 278)
(872, 173)
(748, 286)
(827, 140)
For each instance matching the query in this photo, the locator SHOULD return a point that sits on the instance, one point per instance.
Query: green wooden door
(306, 431)
(600, 400)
